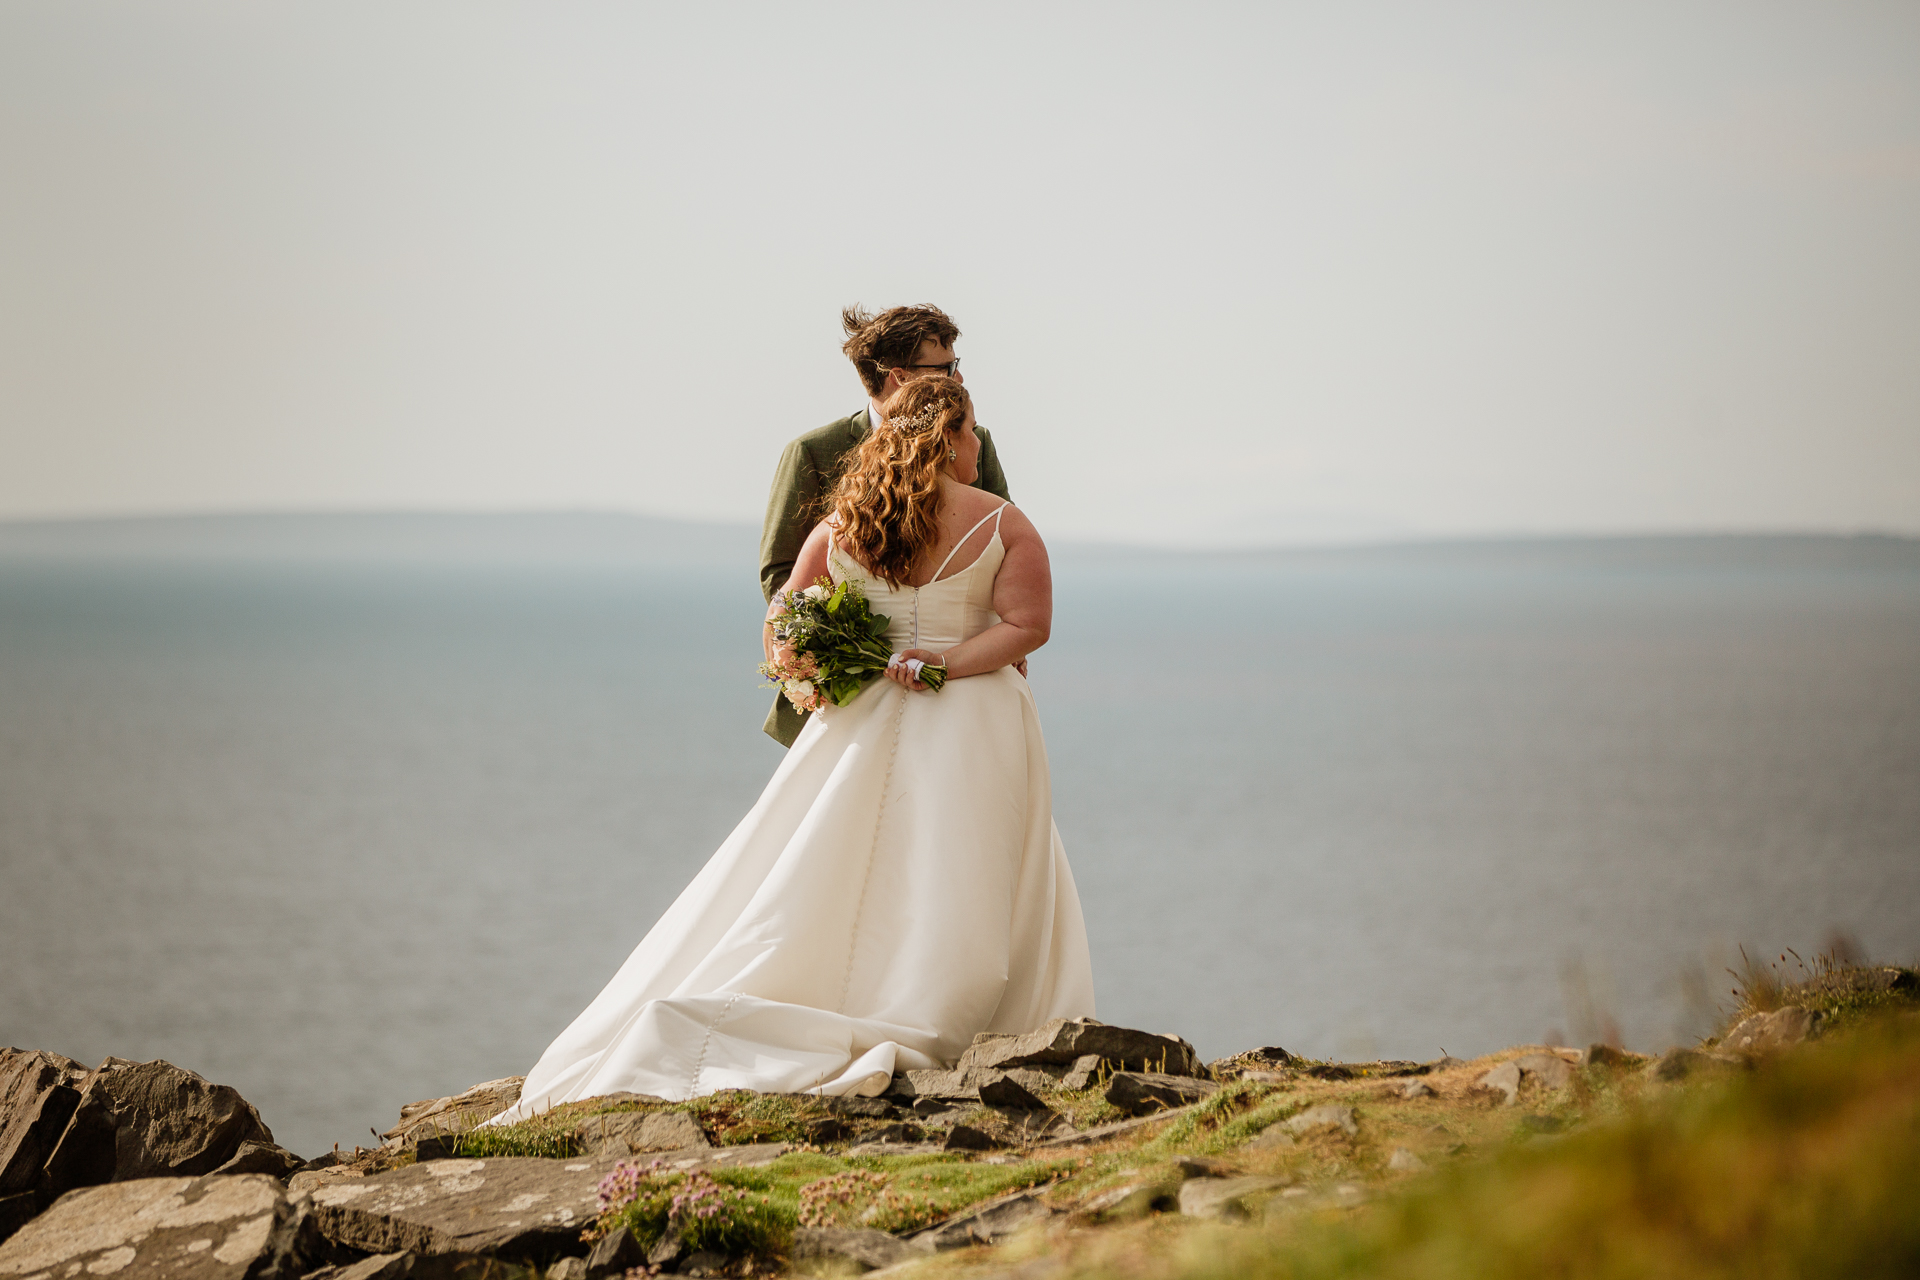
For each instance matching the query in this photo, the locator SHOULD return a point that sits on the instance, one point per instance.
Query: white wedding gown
(898, 887)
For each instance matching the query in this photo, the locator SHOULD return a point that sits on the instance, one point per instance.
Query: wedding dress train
(898, 887)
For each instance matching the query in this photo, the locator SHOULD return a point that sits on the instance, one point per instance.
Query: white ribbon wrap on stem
(913, 665)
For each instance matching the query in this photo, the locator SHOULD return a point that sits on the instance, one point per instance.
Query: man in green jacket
(888, 350)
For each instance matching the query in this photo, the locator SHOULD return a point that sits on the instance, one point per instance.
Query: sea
(348, 811)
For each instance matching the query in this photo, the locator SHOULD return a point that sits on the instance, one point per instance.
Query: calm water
(346, 835)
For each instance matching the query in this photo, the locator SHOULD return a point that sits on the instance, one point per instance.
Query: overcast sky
(1225, 272)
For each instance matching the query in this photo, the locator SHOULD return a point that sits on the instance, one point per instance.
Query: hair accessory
(918, 422)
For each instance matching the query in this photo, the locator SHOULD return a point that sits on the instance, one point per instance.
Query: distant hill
(583, 539)
(612, 540)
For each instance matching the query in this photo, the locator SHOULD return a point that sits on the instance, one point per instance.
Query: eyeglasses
(951, 368)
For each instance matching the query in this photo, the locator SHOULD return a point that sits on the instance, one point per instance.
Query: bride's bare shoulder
(1015, 528)
(965, 503)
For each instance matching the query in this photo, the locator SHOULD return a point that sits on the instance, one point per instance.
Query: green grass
(1806, 1168)
(758, 1208)
(1846, 993)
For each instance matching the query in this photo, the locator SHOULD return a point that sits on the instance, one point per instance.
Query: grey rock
(1140, 1092)
(263, 1157)
(460, 1111)
(666, 1250)
(614, 1253)
(568, 1269)
(1273, 1137)
(829, 1129)
(381, 1266)
(1225, 1198)
(1106, 1132)
(1404, 1161)
(37, 1098)
(449, 1266)
(166, 1122)
(1764, 1033)
(862, 1108)
(1203, 1167)
(989, 1224)
(1549, 1070)
(626, 1133)
(517, 1206)
(860, 1249)
(1033, 1079)
(1064, 1041)
(414, 1266)
(1687, 1064)
(703, 1263)
(1008, 1094)
(1504, 1080)
(966, 1137)
(210, 1228)
(1417, 1089)
(963, 1086)
(1270, 1059)
(943, 1086)
(1129, 1200)
(16, 1211)
(1084, 1073)
(897, 1133)
(307, 1181)
(88, 1148)
(328, 1159)
(1326, 1115)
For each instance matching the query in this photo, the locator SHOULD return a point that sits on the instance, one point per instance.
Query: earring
(953, 455)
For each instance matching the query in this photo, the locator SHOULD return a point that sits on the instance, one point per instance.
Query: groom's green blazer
(801, 483)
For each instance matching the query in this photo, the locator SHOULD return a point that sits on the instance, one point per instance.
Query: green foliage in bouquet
(839, 645)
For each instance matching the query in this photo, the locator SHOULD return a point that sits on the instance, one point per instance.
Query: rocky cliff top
(1059, 1150)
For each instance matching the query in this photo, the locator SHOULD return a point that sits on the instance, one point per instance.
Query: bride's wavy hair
(887, 501)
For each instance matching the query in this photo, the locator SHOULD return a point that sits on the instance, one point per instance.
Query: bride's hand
(898, 671)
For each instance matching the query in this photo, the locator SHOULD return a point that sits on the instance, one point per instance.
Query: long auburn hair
(887, 501)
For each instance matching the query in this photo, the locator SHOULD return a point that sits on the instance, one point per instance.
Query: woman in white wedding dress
(899, 886)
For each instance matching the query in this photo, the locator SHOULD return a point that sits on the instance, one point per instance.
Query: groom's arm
(797, 485)
(991, 478)
(799, 482)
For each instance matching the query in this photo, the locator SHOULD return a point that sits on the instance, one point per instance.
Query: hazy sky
(1224, 271)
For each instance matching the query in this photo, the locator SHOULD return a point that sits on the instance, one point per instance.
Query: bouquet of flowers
(838, 646)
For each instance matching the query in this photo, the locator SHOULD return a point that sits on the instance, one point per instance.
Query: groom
(888, 351)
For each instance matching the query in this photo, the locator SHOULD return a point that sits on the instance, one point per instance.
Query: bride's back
(949, 597)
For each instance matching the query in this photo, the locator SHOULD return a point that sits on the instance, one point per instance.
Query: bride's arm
(811, 565)
(1022, 596)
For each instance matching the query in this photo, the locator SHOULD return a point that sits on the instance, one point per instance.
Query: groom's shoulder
(833, 439)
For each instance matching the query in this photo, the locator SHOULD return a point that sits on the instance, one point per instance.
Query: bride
(899, 886)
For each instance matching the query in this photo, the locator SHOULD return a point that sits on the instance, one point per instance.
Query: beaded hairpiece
(918, 422)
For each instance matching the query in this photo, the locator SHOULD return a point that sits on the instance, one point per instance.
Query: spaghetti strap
(993, 515)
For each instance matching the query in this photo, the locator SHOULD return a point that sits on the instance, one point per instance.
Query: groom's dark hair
(891, 339)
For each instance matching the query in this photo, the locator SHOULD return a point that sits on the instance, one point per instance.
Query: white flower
(800, 689)
(816, 592)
